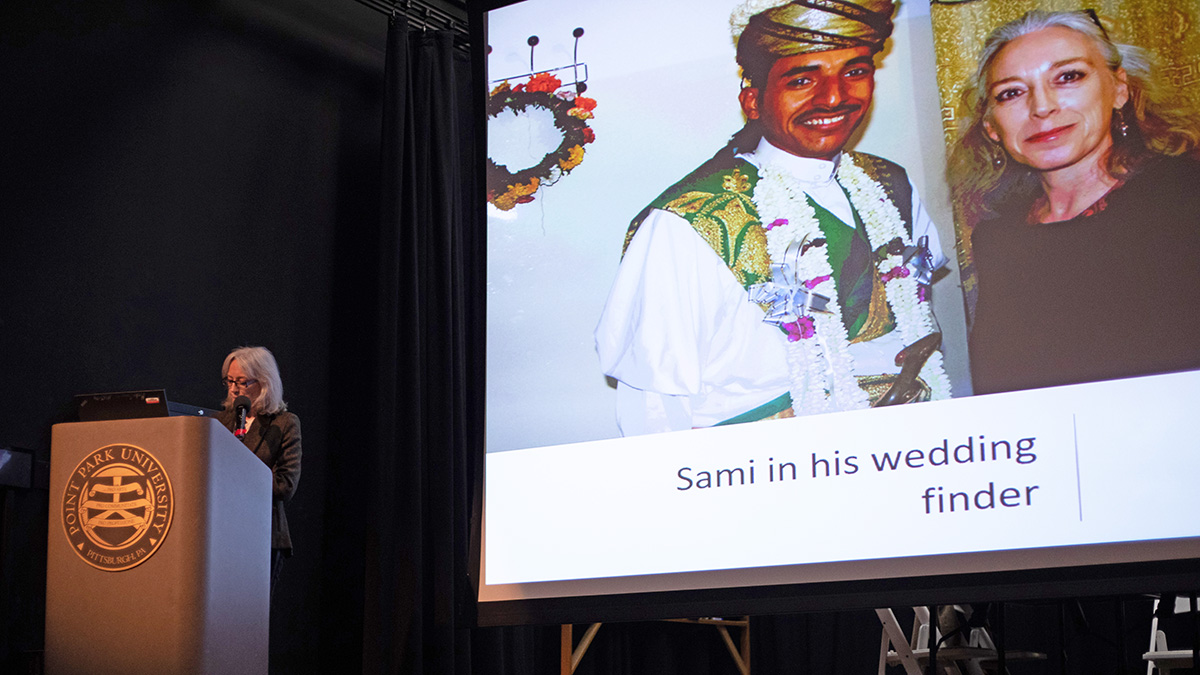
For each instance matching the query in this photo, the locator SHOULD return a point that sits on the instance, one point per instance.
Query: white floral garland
(821, 367)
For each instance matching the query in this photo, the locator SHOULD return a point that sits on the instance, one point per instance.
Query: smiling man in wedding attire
(785, 276)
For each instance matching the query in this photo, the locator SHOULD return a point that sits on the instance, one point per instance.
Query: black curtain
(423, 460)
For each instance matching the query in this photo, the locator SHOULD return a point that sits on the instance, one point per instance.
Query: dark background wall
(178, 179)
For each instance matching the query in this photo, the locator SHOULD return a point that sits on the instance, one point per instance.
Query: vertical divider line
(1078, 482)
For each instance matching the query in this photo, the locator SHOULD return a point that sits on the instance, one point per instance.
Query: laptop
(127, 405)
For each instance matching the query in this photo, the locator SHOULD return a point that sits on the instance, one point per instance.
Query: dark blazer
(275, 439)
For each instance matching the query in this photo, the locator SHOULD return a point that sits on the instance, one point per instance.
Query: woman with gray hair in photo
(271, 433)
(1075, 177)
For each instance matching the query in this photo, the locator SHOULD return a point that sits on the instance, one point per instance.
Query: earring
(999, 157)
(1121, 124)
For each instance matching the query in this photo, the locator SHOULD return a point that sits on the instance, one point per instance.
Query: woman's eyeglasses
(238, 383)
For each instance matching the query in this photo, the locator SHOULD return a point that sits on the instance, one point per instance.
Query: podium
(158, 555)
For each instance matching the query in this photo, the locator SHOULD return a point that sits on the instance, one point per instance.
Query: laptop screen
(122, 405)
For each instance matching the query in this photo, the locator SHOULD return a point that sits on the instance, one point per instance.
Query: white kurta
(682, 338)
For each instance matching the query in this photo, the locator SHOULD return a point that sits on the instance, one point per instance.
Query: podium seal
(117, 507)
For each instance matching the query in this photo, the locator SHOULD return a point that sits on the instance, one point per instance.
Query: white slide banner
(1052, 470)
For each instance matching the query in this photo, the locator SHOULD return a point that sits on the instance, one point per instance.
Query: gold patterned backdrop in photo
(1166, 28)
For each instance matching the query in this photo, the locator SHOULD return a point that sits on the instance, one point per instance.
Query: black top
(1111, 294)
(275, 439)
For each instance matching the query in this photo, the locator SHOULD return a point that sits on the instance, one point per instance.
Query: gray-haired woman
(1075, 178)
(272, 433)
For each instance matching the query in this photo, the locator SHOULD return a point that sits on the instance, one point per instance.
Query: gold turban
(803, 26)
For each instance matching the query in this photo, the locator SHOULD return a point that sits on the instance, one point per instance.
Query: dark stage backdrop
(180, 178)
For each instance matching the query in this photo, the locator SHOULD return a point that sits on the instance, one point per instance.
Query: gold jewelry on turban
(774, 29)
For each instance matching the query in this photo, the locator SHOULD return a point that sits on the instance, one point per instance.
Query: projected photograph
(667, 252)
(772, 284)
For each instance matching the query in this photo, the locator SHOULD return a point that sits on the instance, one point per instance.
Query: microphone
(241, 405)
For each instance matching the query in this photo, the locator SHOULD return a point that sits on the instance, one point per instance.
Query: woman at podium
(255, 412)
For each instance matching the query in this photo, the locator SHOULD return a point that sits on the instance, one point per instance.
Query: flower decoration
(583, 108)
(542, 82)
(520, 193)
(573, 158)
(897, 272)
(800, 329)
(571, 113)
(813, 283)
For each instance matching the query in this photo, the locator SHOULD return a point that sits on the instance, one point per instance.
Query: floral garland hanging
(571, 113)
(819, 361)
